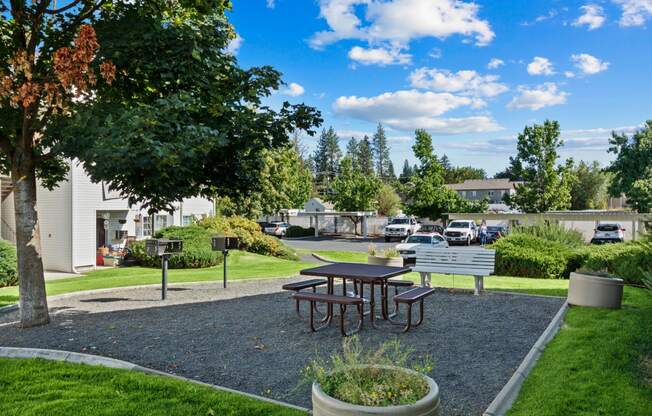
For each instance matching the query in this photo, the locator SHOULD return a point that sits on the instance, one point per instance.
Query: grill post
(226, 253)
(164, 276)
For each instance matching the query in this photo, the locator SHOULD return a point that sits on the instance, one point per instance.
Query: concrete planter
(595, 291)
(385, 261)
(324, 405)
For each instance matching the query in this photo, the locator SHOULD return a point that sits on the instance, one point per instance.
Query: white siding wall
(8, 219)
(55, 217)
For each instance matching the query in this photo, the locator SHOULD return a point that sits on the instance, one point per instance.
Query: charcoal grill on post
(224, 244)
(163, 248)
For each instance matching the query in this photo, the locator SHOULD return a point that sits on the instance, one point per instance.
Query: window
(120, 234)
(147, 226)
(491, 193)
(187, 220)
(474, 193)
(160, 221)
(463, 193)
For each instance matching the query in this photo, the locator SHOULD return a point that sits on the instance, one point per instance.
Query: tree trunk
(33, 300)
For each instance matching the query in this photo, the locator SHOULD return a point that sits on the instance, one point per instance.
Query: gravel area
(248, 337)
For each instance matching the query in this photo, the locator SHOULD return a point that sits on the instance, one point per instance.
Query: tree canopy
(327, 158)
(632, 168)
(546, 186)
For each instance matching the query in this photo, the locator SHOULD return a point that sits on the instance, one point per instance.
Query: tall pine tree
(366, 156)
(326, 159)
(407, 173)
(381, 152)
(352, 150)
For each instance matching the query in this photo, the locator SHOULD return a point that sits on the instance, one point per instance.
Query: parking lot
(338, 243)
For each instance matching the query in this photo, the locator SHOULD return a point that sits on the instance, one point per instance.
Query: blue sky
(426, 64)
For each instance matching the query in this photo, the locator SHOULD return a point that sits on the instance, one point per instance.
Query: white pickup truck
(461, 231)
(401, 227)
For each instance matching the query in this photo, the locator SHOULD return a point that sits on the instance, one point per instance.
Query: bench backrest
(464, 261)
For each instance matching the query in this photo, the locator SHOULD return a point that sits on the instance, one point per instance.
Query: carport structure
(636, 220)
(315, 215)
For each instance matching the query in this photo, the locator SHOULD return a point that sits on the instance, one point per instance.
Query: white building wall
(55, 218)
(8, 218)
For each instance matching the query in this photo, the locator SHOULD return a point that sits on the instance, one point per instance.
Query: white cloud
(551, 14)
(635, 12)
(234, 45)
(538, 97)
(540, 66)
(378, 56)
(271, 4)
(593, 17)
(465, 82)
(398, 22)
(569, 74)
(589, 64)
(411, 109)
(435, 53)
(495, 63)
(359, 134)
(293, 90)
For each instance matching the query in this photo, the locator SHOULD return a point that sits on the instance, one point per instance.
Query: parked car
(401, 227)
(494, 232)
(277, 228)
(608, 233)
(407, 249)
(432, 228)
(461, 231)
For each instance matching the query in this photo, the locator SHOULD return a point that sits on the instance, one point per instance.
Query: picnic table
(360, 274)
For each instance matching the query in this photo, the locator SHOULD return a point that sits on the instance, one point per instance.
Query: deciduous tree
(354, 191)
(544, 188)
(632, 169)
(144, 94)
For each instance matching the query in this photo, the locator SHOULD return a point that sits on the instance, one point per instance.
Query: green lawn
(600, 363)
(38, 387)
(551, 287)
(242, 265)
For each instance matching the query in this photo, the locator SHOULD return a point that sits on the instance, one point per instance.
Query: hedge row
(530, 256)
(8, 268)
(197, 252)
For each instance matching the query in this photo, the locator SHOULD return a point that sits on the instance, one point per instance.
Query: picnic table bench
(476, 262)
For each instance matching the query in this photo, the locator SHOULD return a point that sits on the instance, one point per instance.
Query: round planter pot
(324, 405)
(385, 261)
(595, 291)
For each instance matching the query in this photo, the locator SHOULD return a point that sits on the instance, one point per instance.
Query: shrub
(552, 232)
(628, 261)
(197, 252)
(252, 239)
(296, 231)
(527, 255)
(8, 266)
(342, 378)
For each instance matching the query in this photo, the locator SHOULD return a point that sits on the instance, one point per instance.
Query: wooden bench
(343, 301)
(476, 262)
(304, 284)
(409, 298)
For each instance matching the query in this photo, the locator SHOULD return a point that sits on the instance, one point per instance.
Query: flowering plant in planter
(377, 378)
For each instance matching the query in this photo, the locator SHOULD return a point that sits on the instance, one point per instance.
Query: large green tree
(366, 156)
(632, 169)
(589, 187)
(327, 158)
(381, 152)
(406, 173)
(354, 191)
(428, 197)
(173, 116)
(544, 187)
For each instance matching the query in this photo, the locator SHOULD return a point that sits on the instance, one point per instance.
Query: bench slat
(414, 295)
(304, 284)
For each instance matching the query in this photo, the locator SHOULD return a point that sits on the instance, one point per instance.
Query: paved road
(341, 244)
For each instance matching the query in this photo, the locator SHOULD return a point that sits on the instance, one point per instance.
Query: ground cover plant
(8, 269)
(352, 378)
(598, 364)
(37, 387)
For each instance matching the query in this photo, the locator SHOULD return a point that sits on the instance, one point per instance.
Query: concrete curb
(97, 360)
(506, 397)
(320, 258)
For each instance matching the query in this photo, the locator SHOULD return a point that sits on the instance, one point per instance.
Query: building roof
(483, 184)
(326, 205)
